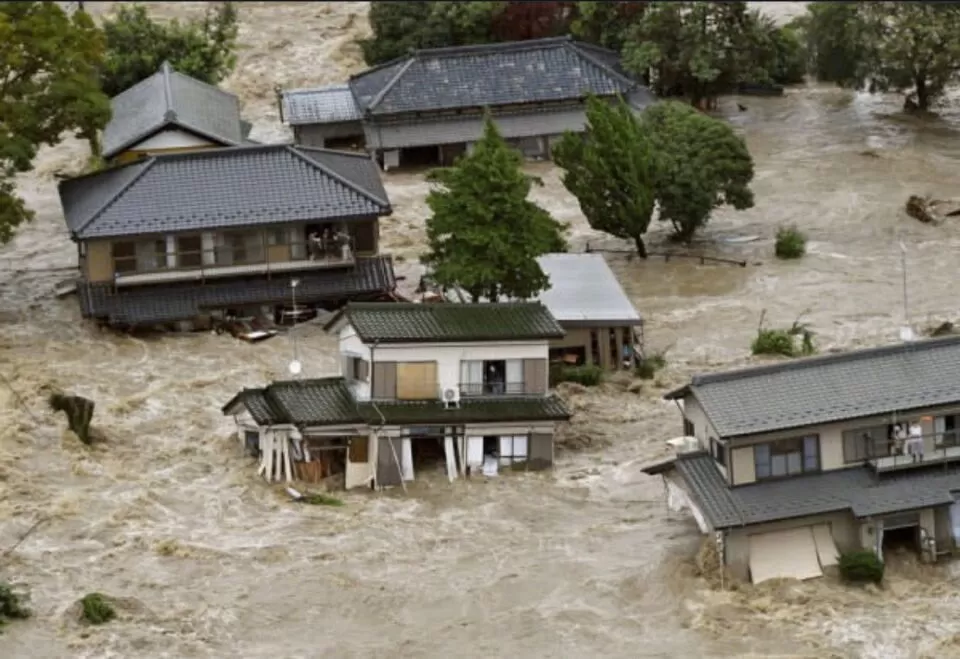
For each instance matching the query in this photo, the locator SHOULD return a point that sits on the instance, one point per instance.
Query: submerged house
(171, 112)
(796, 461)
(427, 107)
(460, 386)
(224, 232)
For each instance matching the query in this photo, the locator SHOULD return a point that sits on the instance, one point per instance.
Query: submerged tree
(611, 171)
(138, 45)
(48, 85)
(79, 413)
(484, 234)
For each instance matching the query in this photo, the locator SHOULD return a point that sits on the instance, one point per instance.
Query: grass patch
(96, 610)
(791, 243)
(589, 375)
(320, 499)
(795, 341)
(648, 365)
(862, 566)
(11, 605)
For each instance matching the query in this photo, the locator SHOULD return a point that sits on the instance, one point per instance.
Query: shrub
(795, 341)
(589, 375)
(862, 566)
(648, 366)
(96, 609)
(11, 605)
(319, 499)
(791, 243)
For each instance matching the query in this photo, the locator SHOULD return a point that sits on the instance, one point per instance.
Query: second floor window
(357, 369)
(492, 377)
(866, 443)
(787, 457)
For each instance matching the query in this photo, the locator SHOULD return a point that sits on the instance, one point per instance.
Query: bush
(648, 366)
(797, 341)
(11, 605)
(862, 566)
(96, 609)
(791, 243)
(589, 375)
(318, 499)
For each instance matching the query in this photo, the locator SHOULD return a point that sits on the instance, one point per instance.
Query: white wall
(171, 139)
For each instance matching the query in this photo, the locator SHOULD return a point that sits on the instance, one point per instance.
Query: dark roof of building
(223, 188)
(388, 322)
(321, 105)
(328, 401)
(855, 489)
(172, 99)
(319, 402)
(148, 305)
(539, 70)
(829, 388)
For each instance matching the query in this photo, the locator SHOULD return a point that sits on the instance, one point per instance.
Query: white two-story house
(464, 386)
(796, 461)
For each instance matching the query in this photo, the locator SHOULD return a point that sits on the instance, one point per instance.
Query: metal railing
(491, 388)
(927, 449)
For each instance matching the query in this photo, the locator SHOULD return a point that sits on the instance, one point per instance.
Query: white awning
(791, 554)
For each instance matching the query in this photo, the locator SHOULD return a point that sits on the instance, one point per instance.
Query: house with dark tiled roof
(223, 232)
(171, 112)
(789, 463)
(460, 385)
(427, 107)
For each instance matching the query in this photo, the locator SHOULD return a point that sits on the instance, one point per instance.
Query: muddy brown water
(586, 561)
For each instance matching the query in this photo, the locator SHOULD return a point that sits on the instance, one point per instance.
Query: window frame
(772, 454)
(513, 458)
(357, 369)
(855, 434)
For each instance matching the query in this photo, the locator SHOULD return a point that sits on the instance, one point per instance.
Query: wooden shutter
(384, 380)
(417, 381)
(534, 376)
(363, 370)
(359, 449)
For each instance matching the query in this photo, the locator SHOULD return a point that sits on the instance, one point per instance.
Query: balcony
(475, 389)
(200, 265)
(946, 450)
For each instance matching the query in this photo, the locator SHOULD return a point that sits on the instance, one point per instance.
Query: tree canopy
(48, 85)
(611, 171)
(673, 159)
(136, 46)
(484, 234)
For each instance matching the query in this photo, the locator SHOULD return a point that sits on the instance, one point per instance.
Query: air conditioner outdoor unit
(451, 396)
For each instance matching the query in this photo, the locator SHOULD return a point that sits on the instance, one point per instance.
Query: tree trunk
(641, 247)
(923, 95)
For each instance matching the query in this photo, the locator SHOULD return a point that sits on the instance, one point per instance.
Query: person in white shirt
(916, 442)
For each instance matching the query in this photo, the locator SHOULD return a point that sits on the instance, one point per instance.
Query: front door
(389, 461)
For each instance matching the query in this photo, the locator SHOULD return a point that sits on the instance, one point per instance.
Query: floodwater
(207, 561)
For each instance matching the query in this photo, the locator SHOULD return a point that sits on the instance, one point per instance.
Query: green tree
(484, 234)
(138, 45)
(48, 85)
(834, 32)
(606, 23)
(701, 165)
(610, 169)
(401, 27)
(776, 54)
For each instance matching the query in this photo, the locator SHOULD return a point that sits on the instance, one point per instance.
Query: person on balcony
(916, 441)
(315, 243)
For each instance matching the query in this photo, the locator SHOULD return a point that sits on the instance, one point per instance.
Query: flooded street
(208, 561)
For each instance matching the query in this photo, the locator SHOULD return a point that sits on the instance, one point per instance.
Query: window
(787, 457)
(719, 452)
(239, 248)
(947, 429)
(189, 251)
(139, 256)
(417, 381)
(124, 256)
(513, 449)
(492, 377)
(862, 444)
(251, 440)
(689, 430)
(358, 451)
(357, 369)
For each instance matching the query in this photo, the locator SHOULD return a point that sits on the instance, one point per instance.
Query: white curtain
(471, 372)
(514, 376)
(939, 427)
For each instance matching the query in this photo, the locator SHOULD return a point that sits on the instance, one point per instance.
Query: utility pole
(906, 332)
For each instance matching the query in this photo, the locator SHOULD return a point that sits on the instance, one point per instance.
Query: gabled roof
(391, 322)
(322, 105)
(223, 188)
(538, 70)
(171, 99)
(829, 388)
(584, 290)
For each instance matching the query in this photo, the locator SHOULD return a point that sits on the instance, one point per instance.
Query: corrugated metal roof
(854, 489)
(457, 130)
(170, 98)
(322, 105)
(218, 188)
(583, 288)
(829, 388)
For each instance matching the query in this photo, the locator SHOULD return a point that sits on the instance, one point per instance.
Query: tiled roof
(323, 105)
(855, 489)
(319, 402)
(169, 98)
(830, 388)
(471, 410)
(540, 70)
(222, 188)
(389, 322)
(145, 305)
(329, 402)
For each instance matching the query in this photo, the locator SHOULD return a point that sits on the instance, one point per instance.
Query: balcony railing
(929, 449)
(225, 262)
(491, 388)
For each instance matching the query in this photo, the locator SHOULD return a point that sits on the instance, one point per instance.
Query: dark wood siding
(534, 376)
(384, 381)
(540, 451)
(364, 237)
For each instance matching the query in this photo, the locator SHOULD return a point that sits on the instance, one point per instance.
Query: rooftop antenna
(906, 332)
(295, 366)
